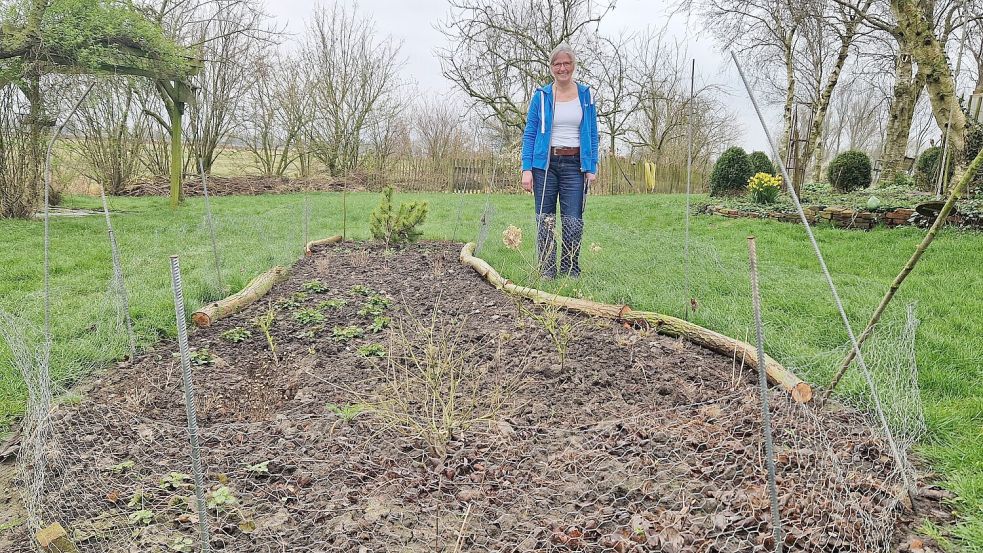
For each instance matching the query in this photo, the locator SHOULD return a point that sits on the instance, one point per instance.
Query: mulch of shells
(408, 406)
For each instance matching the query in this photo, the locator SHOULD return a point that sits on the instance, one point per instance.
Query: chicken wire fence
(116, 472)
(686, 478)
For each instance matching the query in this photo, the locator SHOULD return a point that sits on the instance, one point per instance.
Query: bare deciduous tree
(617, 95)
(766, 34)
(353, 74)
(498, 51)
(111, 134)
(438, 129)
(276, 114)
(232, 39)
(661, 82)
(829, 34)
(18, 193)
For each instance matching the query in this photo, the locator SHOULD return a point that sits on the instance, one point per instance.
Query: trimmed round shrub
(761, 163)
(927, 168)
(731, 172)
(849, 170)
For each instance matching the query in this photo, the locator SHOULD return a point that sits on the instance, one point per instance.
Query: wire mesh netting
(623, 441)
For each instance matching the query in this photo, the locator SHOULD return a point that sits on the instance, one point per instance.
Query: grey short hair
(563, 48)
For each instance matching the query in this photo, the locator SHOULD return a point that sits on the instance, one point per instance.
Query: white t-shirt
(566, 124)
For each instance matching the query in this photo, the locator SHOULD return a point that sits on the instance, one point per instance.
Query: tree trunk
(789, 104)
(822, 106)
(174, 111)
(907, 89)
(933, 68)
(36, 131)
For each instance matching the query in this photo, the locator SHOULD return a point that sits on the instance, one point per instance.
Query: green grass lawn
(638, 259)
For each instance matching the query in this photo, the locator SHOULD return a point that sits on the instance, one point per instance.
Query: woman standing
(559, 161)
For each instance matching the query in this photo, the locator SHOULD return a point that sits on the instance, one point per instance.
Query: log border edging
(254, 291)
(800, 391)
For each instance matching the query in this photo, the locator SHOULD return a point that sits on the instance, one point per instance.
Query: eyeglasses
(561, 64)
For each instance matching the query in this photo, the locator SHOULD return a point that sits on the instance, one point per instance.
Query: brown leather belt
(565, 151)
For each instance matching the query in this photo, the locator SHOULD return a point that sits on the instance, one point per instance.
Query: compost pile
(405, 405)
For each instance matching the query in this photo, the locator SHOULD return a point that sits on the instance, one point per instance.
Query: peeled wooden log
(309, 250)
(256, 289)
(663, 324)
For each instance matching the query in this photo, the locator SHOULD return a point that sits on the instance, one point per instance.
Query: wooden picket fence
(477, 175)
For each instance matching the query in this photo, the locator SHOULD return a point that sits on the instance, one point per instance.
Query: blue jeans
(563, 182)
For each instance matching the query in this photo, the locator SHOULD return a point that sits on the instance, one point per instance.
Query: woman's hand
(527, 181)
(590, 177)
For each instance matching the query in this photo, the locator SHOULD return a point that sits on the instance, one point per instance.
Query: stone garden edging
(840, 217)
(844, 217)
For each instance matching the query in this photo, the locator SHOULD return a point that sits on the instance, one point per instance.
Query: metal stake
(776, 522)
(189, 401)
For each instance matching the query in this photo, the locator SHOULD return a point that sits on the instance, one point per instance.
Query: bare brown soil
(638, 442)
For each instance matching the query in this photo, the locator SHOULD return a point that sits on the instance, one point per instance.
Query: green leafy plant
(731, 172)
(120, 468)
(293, 301)
(202, 357)
(314, 286)
(309, 317)
(376, 305)
(372, 350)
(143, 517)
(394, 226)
(346, 333)
(237, 334)
(136, 500)
(361, 290)
(175, 481)
(761, 163)
(259, 468)
(849, 170)
(310, 332)
(220, 498)
(380, 323)
(335, 303)
(184, 544)
(764, 188)
(902, 180)
(347, 412)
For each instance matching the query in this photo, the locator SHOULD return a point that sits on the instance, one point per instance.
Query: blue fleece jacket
(539, 129)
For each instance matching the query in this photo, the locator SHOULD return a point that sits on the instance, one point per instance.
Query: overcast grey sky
(413, 24)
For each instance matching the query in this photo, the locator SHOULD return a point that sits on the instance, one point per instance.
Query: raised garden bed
(624, 440)
(897, 207)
